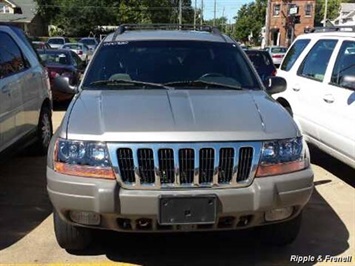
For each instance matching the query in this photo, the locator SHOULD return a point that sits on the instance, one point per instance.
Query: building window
(276, 10)
(308, 10)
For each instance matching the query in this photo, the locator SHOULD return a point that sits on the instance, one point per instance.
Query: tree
(220, 23)
(332, 10)
(249, 21)
(47, 9)
(80, 17)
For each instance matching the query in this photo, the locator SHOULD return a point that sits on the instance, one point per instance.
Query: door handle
(296, 88)
(328, 98)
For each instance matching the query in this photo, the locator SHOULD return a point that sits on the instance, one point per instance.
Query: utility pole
(180, 12)
(201, 19)
(325, 13)
(267, 23)
(214, 12)
(195, 12)
(224, 24)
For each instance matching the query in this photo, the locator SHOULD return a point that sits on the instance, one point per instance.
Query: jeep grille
(153, 166)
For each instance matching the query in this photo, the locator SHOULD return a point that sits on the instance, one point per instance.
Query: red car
(62, 62)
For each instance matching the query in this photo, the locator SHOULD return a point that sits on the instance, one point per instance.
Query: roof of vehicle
(54, 51)
(88, 38)
(58, 37)
(340, 34)
(274, 46)
(134, 34)
(74, 43)
(256, 50)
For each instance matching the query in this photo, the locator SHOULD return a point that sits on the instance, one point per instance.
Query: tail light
(274, 72)
(277, 56)
(80, 52)
(53, 74)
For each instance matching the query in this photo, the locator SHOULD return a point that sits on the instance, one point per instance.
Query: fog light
(83, 217)
(278, 214)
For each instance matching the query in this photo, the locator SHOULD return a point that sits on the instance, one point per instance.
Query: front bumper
(137, 210)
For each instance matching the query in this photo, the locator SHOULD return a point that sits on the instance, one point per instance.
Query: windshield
(163, 62)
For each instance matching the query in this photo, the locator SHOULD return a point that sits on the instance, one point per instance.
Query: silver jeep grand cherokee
(172, 130)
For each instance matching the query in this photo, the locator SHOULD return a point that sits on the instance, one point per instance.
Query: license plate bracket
(187, 209)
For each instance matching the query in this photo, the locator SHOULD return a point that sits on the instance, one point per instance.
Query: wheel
(44, 131)
(70, 237)
(281, 234)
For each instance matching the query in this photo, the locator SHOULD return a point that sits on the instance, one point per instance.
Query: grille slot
(206, 165)
(187, 165)
(225, 173)
(245, 162)
(166, 166)
(146, 166)
(126, 164)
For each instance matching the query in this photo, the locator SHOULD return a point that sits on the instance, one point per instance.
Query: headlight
(82, 158)
(282, 156)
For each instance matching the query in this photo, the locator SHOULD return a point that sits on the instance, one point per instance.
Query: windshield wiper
(202, 84)
(125, 82)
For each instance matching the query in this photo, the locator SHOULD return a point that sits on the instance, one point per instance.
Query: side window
(293, 53)
(316, 62)
(76, 58)
(344, 69)
(11, 59)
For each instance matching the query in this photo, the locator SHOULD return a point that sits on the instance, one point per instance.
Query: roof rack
(334, 28)
(207, 28)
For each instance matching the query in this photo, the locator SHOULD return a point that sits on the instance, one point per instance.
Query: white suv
(320, 72)
(25, 96)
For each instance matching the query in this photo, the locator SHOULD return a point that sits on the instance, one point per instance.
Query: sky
(230, 7)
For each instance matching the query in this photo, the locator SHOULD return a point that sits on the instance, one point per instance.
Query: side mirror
(62, 85)
(275, 85)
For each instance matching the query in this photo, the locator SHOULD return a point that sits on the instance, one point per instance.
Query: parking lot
(27, 236)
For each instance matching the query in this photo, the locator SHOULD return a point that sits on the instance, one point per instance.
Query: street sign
(293, 10)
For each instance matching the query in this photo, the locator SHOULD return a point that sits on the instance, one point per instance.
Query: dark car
(62, 62)
(41, 45)
(262, 62)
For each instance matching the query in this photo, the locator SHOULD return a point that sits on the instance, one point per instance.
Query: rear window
(278, 50)
(55, 57)
(293, 53)
(88, 41)
(259, 58)
(56, 41)
(73, 46)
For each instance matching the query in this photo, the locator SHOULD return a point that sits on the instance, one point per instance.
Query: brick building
(288, 19)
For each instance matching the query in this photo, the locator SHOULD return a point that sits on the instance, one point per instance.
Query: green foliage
(332, 10)
(249, 21)
(80, 17)
(220, 23)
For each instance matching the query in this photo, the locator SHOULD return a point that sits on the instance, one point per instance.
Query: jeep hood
(176, 116)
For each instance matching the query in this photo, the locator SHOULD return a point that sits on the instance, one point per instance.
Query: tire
(71, 237)
(44, 131)
(281, 234)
